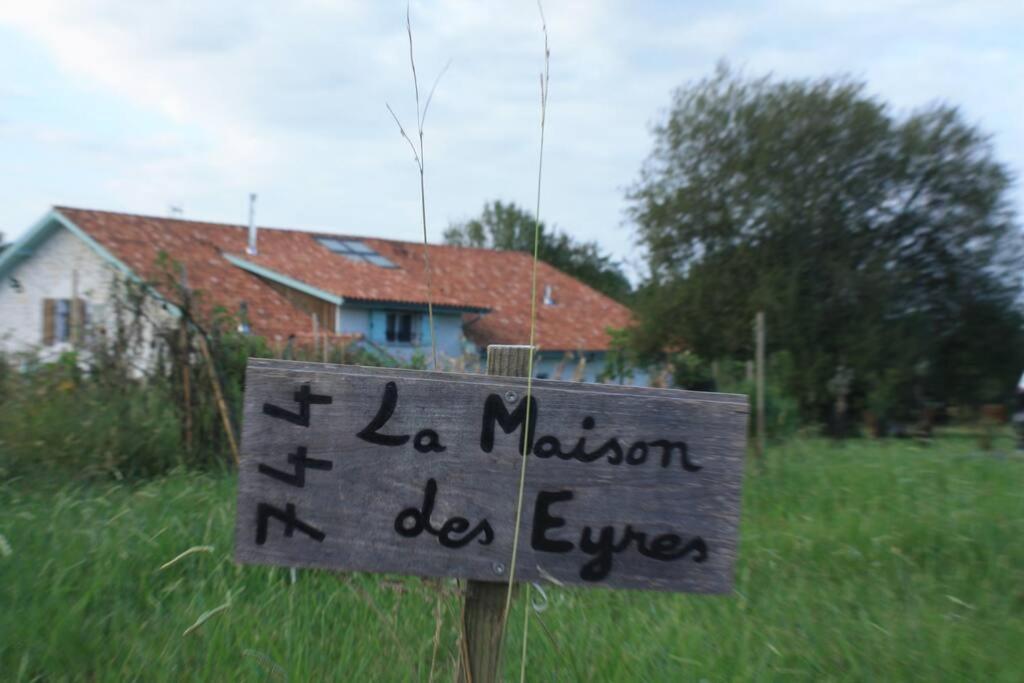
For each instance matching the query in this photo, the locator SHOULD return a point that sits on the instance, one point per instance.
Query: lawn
(866, 561)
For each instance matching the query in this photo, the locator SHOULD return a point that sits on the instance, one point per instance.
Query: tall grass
(869, 561)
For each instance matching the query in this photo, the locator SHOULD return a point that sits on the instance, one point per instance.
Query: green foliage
(506, 226)
(878, 242)
(782, 413)
(55, 419)
(874, 561)
(621, 359)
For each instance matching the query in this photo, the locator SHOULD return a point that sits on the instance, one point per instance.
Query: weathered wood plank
(370, 487)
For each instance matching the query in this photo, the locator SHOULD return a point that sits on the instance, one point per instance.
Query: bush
(56, 419)
(782, 411)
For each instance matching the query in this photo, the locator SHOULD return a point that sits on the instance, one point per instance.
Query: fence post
(483, 619)
(316, 336)
(760, 332)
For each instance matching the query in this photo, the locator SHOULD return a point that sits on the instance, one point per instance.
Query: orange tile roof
(462, 277)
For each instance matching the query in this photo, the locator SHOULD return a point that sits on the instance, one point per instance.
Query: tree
(877, 242)
(506, 226)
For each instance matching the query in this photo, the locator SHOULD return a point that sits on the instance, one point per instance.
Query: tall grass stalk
(418, 157)
(544, 79)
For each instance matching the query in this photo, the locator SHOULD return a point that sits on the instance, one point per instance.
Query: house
(288, 283)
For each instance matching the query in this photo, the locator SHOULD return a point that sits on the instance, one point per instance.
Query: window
(402, 328)
(355, 251)
(62, 320)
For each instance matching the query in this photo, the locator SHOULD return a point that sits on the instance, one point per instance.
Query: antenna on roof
(175, 211)
(251, 249)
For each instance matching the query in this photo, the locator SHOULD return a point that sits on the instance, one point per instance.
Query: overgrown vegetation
(144, 391)
(874, 560)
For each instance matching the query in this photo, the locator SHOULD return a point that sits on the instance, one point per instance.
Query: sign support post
(483, 619)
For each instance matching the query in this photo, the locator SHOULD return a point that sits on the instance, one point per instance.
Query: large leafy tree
(506, 226)
(876, 242)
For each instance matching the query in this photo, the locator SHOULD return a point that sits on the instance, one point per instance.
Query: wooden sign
(370, 469)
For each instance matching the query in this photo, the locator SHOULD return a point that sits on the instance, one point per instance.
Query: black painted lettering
(420, 522)
(495, 412)
(668, 447)
(543, 520)
(371, 432)
(637, 454)
(305, 398)
(547, 446)
(459, 525)
(420, 516)
(613, 446)
(427, 441)
(603, 550)
(301, 463)
(666, 548)
(266, 511)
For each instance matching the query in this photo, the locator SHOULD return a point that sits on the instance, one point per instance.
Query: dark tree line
(506, 226)
(878, 242)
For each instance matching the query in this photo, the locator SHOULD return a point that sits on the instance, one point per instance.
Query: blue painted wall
(565, 367)
(452, 344)
(372, 324)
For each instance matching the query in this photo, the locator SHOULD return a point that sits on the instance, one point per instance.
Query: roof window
(355, 251)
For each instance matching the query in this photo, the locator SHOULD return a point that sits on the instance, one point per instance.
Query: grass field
(869, 561)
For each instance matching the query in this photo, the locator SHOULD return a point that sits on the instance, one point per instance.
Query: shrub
(54, 418)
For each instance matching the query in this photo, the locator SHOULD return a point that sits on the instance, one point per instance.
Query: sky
(140, 106)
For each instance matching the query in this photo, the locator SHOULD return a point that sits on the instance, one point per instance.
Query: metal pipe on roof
(251, 249)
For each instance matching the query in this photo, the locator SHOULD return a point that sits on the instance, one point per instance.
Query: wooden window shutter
(78, 321)
(49, 320)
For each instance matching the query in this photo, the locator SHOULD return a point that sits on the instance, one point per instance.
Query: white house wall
(49, 274)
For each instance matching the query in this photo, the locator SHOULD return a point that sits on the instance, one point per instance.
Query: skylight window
(356, 251)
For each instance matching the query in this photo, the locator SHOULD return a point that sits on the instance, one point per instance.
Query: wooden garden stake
(186, 389)
(760, 332)
(221, 405)
(483, 619)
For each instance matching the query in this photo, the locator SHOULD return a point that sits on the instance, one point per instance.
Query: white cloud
(287, 99)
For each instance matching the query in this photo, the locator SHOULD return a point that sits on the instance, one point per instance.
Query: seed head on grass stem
(418, 157)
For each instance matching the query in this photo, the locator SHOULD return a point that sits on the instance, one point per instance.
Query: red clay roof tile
(461, 277)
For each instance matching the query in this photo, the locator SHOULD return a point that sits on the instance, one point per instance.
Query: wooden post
(186, 362)
(759, 332)
(316, 335)
(483, 618)
(186, 389)
(75, 314)
(222, 406)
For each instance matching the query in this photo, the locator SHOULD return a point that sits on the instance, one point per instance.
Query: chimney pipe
(251, 249)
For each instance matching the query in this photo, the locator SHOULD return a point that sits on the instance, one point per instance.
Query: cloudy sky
(137, 106)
